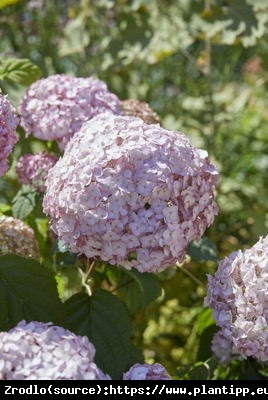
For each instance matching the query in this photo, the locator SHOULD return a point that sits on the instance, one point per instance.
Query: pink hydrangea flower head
(54, 108)
(130, 193)
(42, 351)
(238, 297)
(147, 372)
(32, 169)
(8, 136)
(16, 237)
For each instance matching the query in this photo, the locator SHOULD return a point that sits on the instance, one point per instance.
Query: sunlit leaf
(6, 3)
(24, 202)
(21, 71)
(76, 37)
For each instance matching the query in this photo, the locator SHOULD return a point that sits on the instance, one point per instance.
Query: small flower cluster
(238, 296)
(139, 109)
(16, 237)
(32, 169)
(146, 372)
(8, 136)
(222, 349)
(42, 351)
(54, 108)
(130, 193)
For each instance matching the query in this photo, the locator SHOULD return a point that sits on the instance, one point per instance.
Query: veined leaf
(28, 291)
(104, 319)
(21, 71)
(140, 289)
(24, 202)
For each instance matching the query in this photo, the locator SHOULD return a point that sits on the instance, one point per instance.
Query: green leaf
(205, 339)
(233, 22)
(76, 37)
(24, 202)
(104, 319)
(204, 320)
(6, 3)
(203, 250)
(21, 71)
(198, 371)
(28, 292)
(138, 289)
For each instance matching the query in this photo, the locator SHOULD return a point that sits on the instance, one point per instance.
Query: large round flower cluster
(16, 237)
(238, 296)
(54, 108)
(32, 168)
(130, 193)
(8, 136)
(42, 351)
(147, 372)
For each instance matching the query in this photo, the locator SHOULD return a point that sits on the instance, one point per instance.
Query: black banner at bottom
(132, 388)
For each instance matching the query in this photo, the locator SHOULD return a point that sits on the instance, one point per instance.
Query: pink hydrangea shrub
(146, 372)
(238, 297)
(8, 136)
(32, 169)
(42, 351)
(54, 108)
(130, 194)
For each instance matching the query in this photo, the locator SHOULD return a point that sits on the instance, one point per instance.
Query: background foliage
(202, 66)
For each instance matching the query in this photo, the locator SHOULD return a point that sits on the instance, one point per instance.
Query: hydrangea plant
(130, 193)
(237, 294)
(54, 108)
(146, 372)
(16, 237)
(32, 169)
(8, 136)
(43, 351)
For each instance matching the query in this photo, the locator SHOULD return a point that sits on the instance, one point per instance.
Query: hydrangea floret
(8, 136)
(54, 108)
(32, 169)
(238, 295)
(146, 372)
(130, 193)
(43, 351)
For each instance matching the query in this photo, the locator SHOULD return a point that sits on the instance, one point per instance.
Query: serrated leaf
(24, 202)
(203, 250)
(140, 289)
(21, 71)
(104, 319)
(28, 292)
(6, 3)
